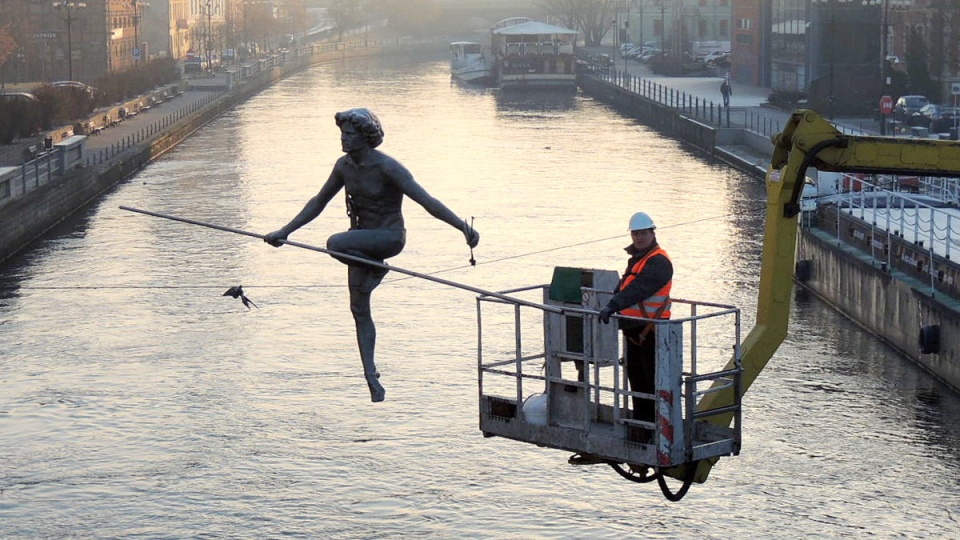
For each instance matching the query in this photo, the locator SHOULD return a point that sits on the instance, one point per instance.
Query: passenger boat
(530, 53)
(468, 63)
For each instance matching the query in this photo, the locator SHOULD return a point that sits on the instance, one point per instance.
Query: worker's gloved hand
(605, 314)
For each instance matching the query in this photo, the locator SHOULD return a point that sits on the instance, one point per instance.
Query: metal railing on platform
(571, 365)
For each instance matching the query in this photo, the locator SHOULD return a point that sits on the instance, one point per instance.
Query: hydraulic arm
(810, 141)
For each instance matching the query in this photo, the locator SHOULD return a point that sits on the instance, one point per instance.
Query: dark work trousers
(642, 370)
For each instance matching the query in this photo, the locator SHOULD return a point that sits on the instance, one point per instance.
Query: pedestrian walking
(726, 91)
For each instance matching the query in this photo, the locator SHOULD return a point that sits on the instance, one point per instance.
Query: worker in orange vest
(644, 292)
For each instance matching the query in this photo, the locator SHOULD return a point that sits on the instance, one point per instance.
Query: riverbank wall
(897, 306)
(39, 208)
(693, 122)
(907, 297)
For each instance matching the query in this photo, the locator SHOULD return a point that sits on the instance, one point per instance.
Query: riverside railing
(38, 172)
(701, 109)
(30, 175)
(915, 231)
(147, 132)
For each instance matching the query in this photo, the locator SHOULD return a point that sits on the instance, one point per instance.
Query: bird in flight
(237, 292)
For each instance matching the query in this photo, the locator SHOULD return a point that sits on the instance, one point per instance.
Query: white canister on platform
(535, 409)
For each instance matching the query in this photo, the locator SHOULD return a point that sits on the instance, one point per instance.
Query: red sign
(886, 105)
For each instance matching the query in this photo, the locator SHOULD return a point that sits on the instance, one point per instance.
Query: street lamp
(244, 50)
(833, 48)
(137, 4)
(885, 45)
(209, 37)
(70, 5)
(626, 27)
(640, 6)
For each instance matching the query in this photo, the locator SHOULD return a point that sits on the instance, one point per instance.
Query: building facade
(931, 29)
(83, 40)
(750, 42)
(842, 55)
(676, 24)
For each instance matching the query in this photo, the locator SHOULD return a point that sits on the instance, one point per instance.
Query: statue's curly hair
(365, 122)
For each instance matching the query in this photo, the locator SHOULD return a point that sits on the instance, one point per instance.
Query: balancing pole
(354, 258)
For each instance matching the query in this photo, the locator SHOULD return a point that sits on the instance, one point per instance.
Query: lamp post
(639, 4)
(245, 46)
(624, 35)
(885, 82)
(832, 31)
(626, 25)
(209, 40)
(137, 4)
(70, 6)
(663, 23)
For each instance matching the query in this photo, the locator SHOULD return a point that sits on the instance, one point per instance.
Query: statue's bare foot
(377, 392)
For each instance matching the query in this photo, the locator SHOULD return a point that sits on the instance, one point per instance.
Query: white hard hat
(641, 221)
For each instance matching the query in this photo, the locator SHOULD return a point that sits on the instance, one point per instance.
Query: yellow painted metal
(810, 141)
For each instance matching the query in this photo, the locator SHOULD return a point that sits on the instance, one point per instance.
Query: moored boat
(529, 53)
(468, 63)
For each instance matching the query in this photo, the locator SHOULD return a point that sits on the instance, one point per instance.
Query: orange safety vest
(661, 299)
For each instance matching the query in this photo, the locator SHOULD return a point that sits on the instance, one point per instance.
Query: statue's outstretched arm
(402, 177)
(311, 210)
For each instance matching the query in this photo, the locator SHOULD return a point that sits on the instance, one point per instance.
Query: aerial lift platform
(567, 389)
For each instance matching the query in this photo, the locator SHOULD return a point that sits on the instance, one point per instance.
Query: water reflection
(532, 101)
(142, 403)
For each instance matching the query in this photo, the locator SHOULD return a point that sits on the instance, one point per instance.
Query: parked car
(18, 97)
(633, 52)
(904, 108)
(718, 58)
(714, 57)
(938, 118)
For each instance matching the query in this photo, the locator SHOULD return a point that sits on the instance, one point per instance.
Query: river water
(137, 402)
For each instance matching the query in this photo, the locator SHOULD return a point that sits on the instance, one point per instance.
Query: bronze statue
(375, 185)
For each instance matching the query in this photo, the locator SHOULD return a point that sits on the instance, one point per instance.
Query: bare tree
(346, 14)
(296, 18)
(591, 17)
(7, 44)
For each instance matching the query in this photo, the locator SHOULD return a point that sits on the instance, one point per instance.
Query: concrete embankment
(907, 297)
(901, 309)
(40, 208)
(741, 148)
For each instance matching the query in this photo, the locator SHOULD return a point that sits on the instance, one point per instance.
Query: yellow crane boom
(810, 141)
